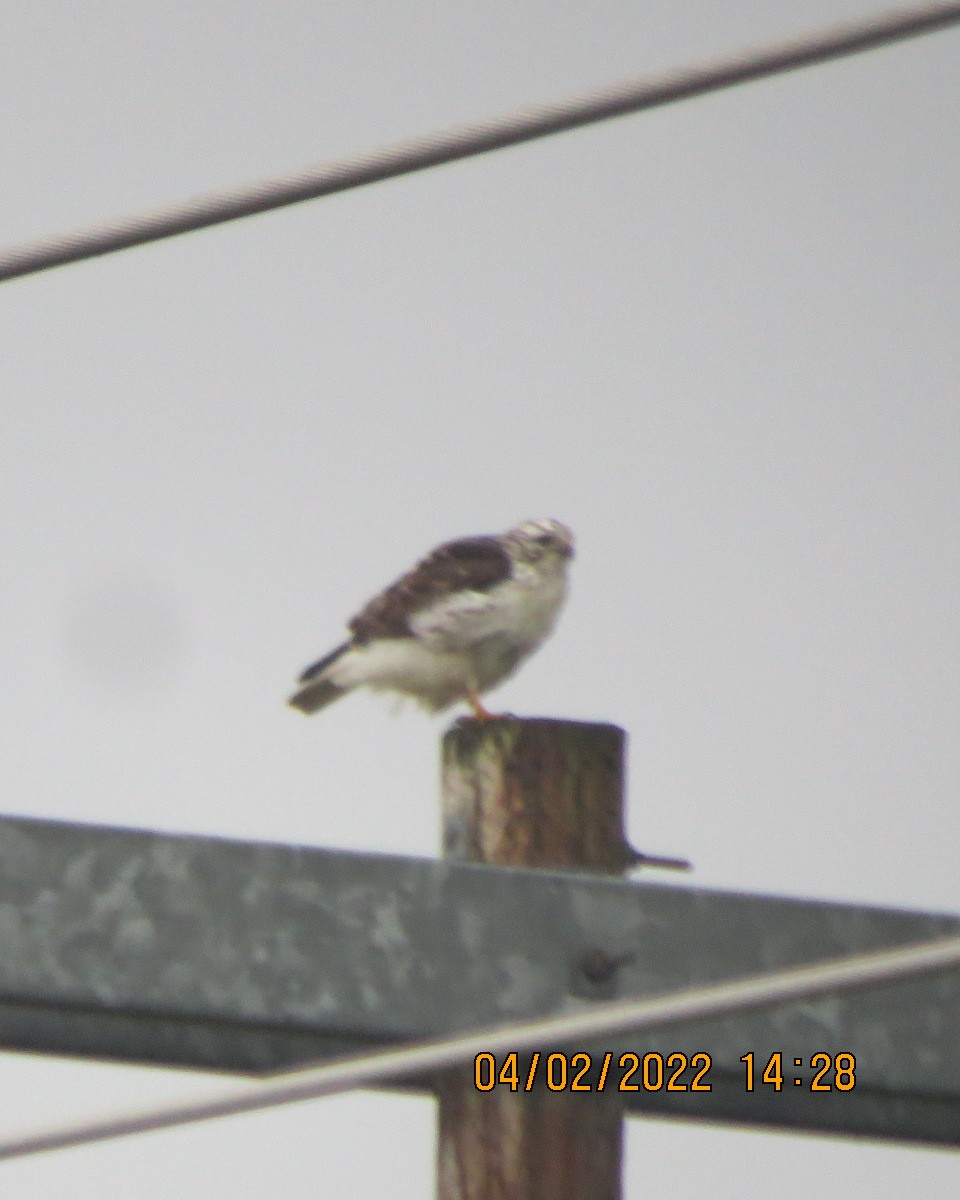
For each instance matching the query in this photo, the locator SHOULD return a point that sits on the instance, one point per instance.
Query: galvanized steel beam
(251, 957)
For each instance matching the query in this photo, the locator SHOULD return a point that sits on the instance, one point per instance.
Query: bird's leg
(479, 712)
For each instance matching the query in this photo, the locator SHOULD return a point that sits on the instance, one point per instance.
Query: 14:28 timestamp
(832, 1072)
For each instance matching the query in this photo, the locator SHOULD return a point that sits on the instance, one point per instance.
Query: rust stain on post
(532, 793)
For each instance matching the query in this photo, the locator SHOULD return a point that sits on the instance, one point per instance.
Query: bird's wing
(455, 623)
(321, 664)
(316, 691)
(450, 585)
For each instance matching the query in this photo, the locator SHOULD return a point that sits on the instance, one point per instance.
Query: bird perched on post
(456, 625)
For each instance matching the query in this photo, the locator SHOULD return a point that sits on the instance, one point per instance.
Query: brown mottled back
(469, 564)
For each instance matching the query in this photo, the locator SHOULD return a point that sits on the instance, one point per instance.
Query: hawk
(455, 626)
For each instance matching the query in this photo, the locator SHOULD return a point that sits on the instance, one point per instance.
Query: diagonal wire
(675, 1008)
(465, 141)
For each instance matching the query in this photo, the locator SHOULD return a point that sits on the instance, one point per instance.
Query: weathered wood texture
(533, 793)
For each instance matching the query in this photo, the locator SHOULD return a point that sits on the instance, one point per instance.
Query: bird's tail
(316, 695)
(318, 691)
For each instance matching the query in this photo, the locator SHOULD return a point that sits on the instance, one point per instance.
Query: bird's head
(533, 541)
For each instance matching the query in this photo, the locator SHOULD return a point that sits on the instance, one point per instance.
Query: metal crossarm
(248, 956)
(384, 1067)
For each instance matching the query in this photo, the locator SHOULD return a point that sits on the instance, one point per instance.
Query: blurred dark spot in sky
(124, 633)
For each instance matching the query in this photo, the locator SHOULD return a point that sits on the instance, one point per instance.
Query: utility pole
(532, 793)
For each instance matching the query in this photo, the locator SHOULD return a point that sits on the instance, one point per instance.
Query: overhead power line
(464, 141)
(676, 1008)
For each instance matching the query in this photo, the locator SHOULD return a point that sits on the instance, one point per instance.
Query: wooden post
(533, 793)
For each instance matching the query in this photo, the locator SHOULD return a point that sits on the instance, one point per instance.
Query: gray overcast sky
(719, 340)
